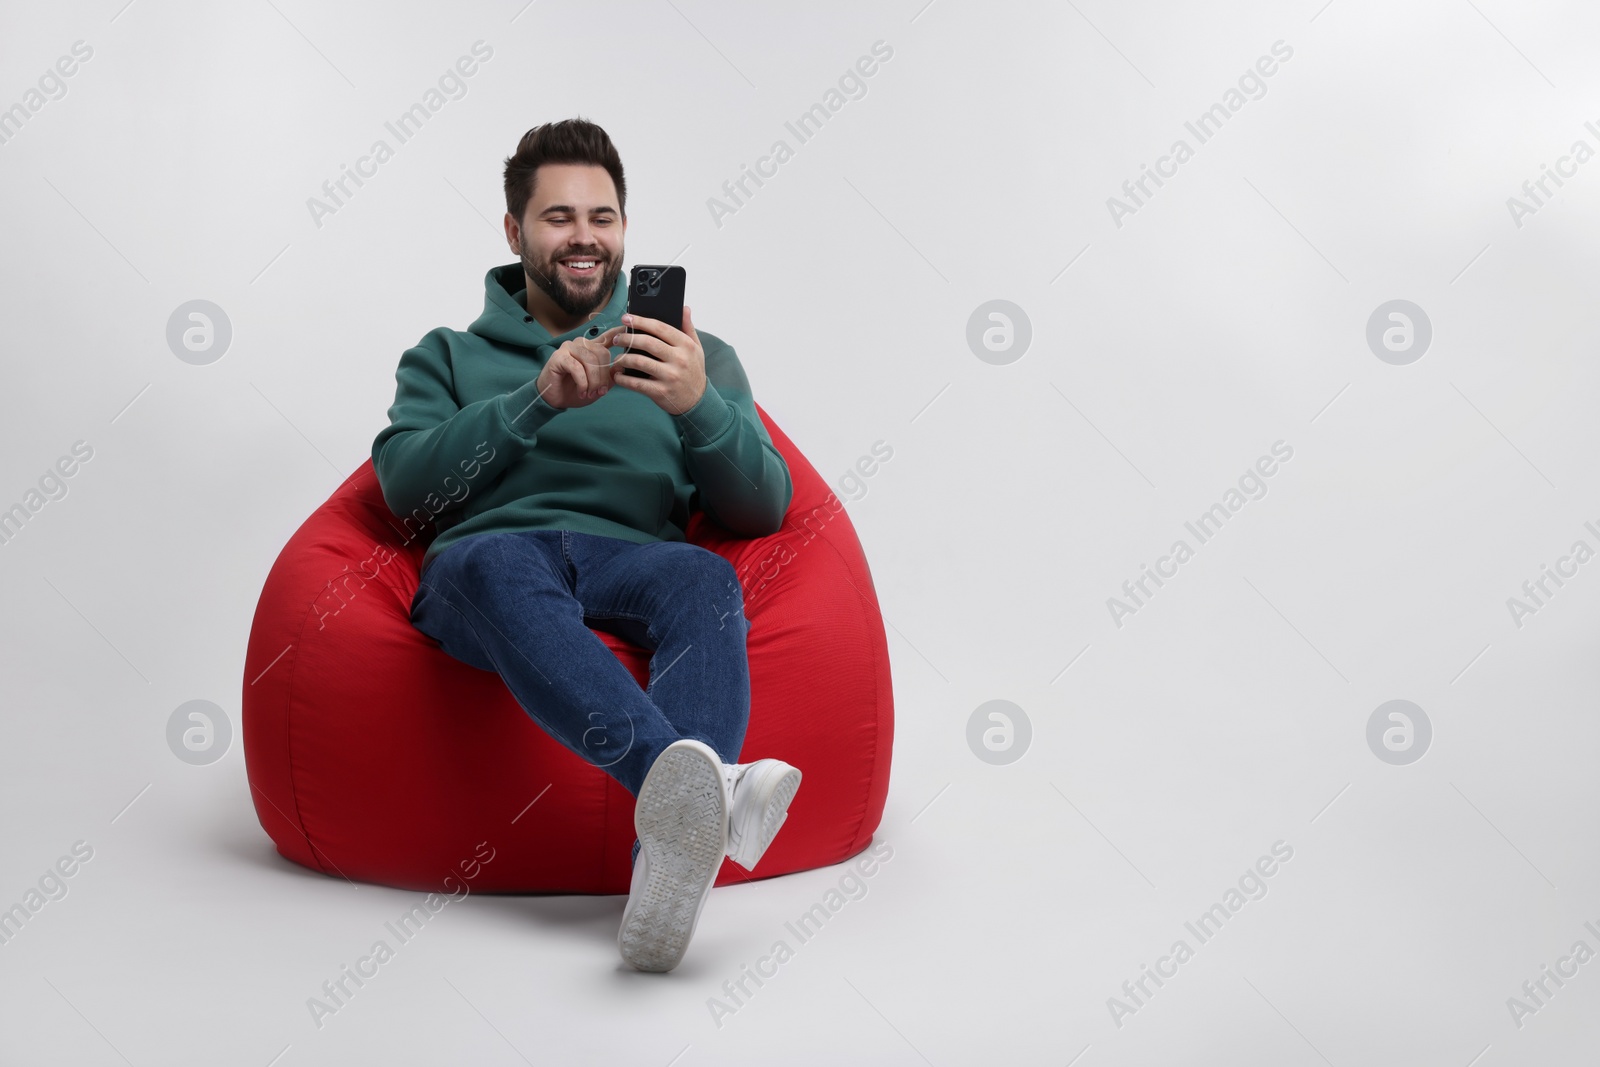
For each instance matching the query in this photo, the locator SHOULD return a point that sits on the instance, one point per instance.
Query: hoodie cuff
(708, 420)
(526, 411)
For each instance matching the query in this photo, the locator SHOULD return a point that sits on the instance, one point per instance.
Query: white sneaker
(761, 793)
(681, 817)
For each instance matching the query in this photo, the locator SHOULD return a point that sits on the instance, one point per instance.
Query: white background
(1167, 354)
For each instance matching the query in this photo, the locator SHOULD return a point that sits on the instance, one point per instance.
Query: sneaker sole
(680, 816)
(778, 786)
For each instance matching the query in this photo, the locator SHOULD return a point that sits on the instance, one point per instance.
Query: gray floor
(1161, 748)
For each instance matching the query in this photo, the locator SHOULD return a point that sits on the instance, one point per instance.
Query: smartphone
(656, 292)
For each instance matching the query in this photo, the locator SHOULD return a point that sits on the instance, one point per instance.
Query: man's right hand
(577, 374)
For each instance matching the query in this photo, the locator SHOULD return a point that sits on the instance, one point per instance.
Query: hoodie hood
(505, 315)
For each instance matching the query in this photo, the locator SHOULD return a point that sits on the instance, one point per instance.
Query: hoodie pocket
(624, 495)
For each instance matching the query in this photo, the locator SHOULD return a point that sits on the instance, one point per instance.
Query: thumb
(688, 323)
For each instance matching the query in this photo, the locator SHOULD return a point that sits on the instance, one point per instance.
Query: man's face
(571, 236)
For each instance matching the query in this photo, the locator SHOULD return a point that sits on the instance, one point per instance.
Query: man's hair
(568, 141)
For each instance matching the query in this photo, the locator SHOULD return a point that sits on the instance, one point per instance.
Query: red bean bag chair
(375, 756)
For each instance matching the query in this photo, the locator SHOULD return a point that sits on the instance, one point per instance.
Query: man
(581, 481)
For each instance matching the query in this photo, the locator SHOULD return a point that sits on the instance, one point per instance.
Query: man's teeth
(580, 264)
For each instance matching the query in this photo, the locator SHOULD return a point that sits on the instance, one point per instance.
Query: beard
(587, 294)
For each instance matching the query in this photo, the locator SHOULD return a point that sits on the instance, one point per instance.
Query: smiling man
(584, 480)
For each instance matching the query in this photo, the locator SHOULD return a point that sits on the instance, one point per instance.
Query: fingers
(650, 385)
(643, 342)
(575, 371)
(654, 370)
(597, 363)
(564, 366)
(598, 372)
(654, 326)
(585, 358)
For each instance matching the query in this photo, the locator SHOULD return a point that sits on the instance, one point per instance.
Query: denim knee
(711, 576)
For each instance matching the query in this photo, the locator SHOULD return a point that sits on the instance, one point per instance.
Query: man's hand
(577, 374)
(673, 358)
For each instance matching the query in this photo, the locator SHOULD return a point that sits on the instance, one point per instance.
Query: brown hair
(568, 141)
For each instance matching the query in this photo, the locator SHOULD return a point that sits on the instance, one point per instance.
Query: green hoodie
(474, 448)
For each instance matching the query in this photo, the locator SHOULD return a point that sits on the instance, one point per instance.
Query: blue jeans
(522, 604)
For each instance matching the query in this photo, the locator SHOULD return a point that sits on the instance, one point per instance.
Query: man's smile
(581, 266)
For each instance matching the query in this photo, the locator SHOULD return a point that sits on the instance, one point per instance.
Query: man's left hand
(673, 358)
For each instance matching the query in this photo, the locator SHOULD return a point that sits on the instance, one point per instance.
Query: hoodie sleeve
(431, 440)
(743, 480)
